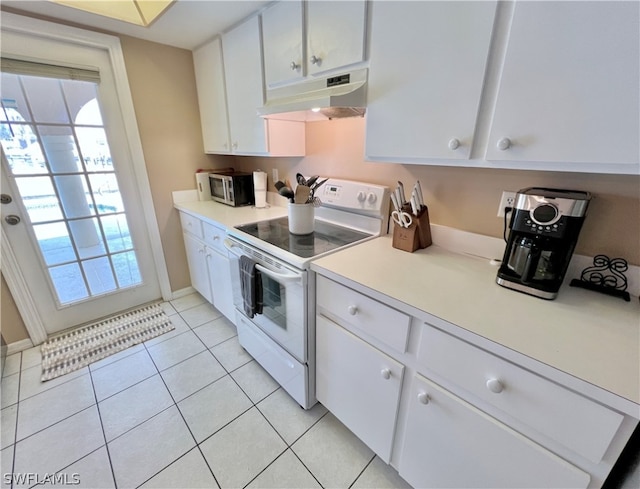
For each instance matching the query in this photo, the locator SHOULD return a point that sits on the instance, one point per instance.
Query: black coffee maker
(544, 228)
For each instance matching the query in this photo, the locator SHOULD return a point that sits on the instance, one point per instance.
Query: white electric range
(282, 337)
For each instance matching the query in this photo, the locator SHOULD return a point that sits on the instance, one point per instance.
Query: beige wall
(468, 198)
(164, 96)
(11, 322)
(165, 100)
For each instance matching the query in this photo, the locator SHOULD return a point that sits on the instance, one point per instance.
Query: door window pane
(39, 199)
(126, 267)
(22, 150)
(13, 101)
(116, 231)
(54, 243)
(94, 148)
(68, 282)
(106, 193)
(45, 99)
(60, 149)
(74, 193)
(99, 275)
(87, 237)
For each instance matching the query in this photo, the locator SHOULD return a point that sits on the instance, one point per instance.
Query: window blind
(22, 67)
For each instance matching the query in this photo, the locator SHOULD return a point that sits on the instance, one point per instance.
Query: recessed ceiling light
(139, 12)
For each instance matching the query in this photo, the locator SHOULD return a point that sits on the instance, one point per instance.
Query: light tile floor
(188, 409)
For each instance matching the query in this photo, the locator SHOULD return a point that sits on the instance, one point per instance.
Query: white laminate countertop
(591, 336)
(228, 216)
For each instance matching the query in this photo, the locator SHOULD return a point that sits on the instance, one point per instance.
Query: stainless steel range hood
(337, 96)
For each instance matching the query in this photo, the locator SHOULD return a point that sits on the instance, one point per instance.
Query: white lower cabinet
(219, 268)
(209, 265)
(450, 443)
(451, 412)
(359, 384)
(197, 260)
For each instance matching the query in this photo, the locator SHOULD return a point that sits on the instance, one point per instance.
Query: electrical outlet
(508, 199)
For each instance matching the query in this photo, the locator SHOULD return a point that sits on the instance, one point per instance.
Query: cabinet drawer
(214, 237)
(191, 224)
(450, 443)
(367, 315)
(574, 421)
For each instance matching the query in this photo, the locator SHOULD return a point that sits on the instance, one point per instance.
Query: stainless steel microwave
(232, 188)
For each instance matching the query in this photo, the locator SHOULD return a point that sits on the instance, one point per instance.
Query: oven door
(285, 302)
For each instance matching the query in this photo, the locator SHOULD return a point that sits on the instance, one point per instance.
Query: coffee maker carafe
(544, 228)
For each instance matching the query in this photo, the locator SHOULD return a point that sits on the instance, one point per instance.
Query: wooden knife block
(416, 236)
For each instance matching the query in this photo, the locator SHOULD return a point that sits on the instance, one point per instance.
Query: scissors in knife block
(402, 219)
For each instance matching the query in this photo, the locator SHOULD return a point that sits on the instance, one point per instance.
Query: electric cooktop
(326, 236)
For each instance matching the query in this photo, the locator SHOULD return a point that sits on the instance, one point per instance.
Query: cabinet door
(359, 384)
(196, 258)
(243, 77)
(335, 34)
(282, 42)
(569, 86)
(426, 76)
(207, 61)
(450, 443)
(220, 277)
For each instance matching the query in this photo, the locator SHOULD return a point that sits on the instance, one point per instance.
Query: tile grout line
(104, 435)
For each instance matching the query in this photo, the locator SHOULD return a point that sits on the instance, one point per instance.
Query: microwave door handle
(225, 189)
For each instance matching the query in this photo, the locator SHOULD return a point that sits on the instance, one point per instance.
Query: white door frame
(111, 44)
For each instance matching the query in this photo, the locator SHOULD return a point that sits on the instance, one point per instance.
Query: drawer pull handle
(353, 310)
(423, 398)
(495, 386)
(386, 373)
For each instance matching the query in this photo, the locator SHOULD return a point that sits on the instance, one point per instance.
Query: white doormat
(78, 348)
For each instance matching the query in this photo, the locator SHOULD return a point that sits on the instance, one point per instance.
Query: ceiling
(186, 24)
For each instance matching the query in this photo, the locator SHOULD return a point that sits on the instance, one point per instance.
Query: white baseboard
(17, 346)
(176, 294)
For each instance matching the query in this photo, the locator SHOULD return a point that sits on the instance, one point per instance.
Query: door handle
(12, 219)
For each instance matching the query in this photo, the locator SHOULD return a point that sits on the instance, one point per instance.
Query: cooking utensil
(278, 185)
(302, 194)
(300, 179)
(402, 219)
(287, 192)
(312, 180)
(316, 202)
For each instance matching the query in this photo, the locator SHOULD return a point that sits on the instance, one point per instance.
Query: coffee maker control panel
(529, 222)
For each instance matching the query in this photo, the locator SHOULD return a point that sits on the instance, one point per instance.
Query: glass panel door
(55, 147)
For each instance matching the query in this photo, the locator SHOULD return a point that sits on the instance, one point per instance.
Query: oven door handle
(280, 277)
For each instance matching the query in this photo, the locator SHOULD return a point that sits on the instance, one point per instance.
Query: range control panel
(348, 195)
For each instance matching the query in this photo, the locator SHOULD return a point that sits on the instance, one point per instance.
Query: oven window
(217, 187)
(274, 301)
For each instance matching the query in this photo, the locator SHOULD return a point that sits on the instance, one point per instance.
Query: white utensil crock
(301, 218)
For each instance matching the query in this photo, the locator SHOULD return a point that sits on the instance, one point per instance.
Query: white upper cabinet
(209, 71)
(335, 38)
(427, 68)
(525, 85)
(569, 87)
(335, 34)
(243, 76)
(282, 42)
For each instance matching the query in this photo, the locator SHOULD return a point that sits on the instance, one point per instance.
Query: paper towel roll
(260, 188)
